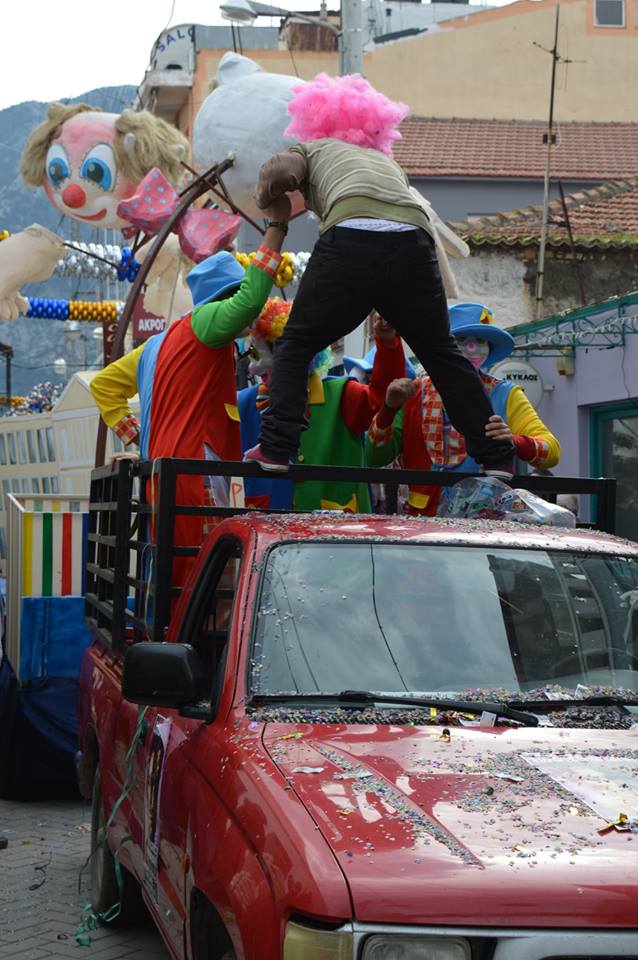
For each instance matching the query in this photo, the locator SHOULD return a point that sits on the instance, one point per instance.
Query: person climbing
(376, 250)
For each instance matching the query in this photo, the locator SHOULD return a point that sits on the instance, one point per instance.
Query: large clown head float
(90, 165)
(88, 161)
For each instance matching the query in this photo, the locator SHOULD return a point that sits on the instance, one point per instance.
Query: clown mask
(82, 178)
(475, 349)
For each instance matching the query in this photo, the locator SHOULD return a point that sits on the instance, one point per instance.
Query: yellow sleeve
(523, 421)
(113, 387)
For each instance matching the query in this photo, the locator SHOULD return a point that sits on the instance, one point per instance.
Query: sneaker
(504, 471)
(271, 464)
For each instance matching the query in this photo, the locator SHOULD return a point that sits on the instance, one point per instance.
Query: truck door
(171, 748)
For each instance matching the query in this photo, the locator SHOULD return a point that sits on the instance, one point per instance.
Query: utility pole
(351, 39)
(540, 273)
(550, 139)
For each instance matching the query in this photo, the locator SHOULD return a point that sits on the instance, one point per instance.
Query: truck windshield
(397, 617)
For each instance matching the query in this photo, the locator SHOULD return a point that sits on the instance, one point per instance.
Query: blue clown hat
(477, 320)
(213, 277)
(365, 364)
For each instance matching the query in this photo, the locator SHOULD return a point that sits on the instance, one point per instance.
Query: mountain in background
(36, 342)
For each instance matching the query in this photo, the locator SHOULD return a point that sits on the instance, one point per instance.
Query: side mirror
(162, 675)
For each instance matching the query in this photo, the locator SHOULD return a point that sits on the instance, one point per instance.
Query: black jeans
(350, 273)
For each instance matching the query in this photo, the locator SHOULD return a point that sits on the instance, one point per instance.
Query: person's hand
(497, 429)
(124, 455)
(279, 209)
(399, 392)
(382, 330)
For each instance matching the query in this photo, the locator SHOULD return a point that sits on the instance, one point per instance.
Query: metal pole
(351, 40)
(8, 397)
(572, 245)
(550, 128)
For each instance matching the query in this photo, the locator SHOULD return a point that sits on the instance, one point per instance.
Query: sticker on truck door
(156, 759)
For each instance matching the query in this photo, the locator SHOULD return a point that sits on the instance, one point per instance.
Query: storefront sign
(524, 375)
(145, 324)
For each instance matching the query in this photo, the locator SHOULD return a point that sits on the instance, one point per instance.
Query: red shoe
(270, 464)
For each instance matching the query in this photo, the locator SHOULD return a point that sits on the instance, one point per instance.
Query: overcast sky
(50, 50)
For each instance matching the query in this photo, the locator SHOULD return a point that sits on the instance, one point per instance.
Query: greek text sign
(522, 374)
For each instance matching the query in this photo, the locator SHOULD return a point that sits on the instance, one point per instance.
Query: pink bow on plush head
(201, 232)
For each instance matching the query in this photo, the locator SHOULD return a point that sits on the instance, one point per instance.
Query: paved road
(48, 845)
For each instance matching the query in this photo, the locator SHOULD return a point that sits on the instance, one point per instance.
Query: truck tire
(209, 939)
(104, 889)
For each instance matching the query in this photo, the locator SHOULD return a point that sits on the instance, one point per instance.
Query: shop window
(42, 446)
(51, 444)
(22, 446)
(11, 442)
(614, 453)
(609, 13)
(3, 452)
(33, 456)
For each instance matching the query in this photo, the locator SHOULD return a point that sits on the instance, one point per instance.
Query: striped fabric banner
(53, 554)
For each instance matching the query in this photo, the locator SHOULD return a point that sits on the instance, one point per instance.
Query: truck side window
(208, 624)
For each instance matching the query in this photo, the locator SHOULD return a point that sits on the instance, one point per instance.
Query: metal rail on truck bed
(129, 589)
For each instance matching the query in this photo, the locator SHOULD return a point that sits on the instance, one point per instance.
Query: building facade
(464, 61)
(588, 363)
(590, 256)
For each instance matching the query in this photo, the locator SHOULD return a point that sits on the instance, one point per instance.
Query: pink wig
(344, 108)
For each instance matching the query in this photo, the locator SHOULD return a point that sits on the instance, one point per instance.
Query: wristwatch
(279, 224)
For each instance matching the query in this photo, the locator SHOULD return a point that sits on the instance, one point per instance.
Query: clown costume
(420, 433)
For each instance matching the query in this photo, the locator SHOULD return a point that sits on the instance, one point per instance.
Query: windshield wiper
(501, 709)
(546, 706)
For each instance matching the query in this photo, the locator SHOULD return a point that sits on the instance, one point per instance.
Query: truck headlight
(302, 943)
(387, 947)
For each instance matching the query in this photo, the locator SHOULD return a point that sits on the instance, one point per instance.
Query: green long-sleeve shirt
(215, 324)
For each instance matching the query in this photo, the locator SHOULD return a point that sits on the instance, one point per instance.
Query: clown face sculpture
(88, 161)
(82, 176)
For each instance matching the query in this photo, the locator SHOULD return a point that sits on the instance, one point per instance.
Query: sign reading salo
(524, 375)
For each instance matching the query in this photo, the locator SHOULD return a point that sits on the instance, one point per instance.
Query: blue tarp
(53, 637)
(38, 737)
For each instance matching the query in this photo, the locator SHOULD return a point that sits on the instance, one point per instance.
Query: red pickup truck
(372, 738)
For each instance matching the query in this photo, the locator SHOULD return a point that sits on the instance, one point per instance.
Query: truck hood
(482, 827)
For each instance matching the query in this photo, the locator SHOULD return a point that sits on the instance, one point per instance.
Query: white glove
(26, 257)
(11, 307)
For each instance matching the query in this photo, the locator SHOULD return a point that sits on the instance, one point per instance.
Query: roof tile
(605, 215)
(435, 147)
